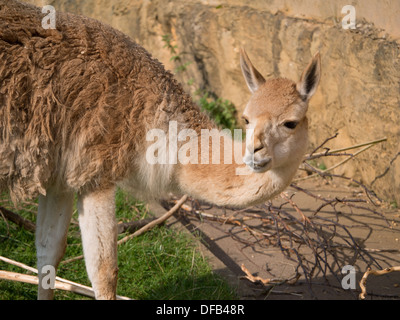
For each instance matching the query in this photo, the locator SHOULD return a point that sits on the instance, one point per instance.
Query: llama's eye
(290, 124)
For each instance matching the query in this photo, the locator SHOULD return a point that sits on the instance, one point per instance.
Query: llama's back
(72, 100)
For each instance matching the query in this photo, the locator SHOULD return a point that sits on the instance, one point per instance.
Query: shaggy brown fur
(63, 91)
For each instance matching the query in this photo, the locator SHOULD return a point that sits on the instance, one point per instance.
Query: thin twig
(328, 151)
(295, 206)
(375, 273)
(322, 172)
(323, 143)
(155, 222)
(17, 219)
(73, 259)
(18, 264)
(132, 226)
(252, 278)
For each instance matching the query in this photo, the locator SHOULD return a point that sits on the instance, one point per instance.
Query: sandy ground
(249, 238)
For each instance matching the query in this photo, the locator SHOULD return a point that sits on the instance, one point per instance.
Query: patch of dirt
(315, 230)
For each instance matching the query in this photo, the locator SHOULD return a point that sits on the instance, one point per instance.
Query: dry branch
(60, 283)
(256, 279)
(17, 219)
(363, 280)
(227, 220)
(18, 264)
(336, 152)
(72, 259)
(314, 155)
(13, 276)
(66, 286)
(132, 226)
(155, 222)
(252, 278)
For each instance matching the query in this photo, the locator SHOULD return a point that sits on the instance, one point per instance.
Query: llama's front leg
(99, 237)
(54, 216)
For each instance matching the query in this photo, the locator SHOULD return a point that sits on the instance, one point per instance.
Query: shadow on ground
(304, 235)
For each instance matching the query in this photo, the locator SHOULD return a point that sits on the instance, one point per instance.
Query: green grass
(162, 264)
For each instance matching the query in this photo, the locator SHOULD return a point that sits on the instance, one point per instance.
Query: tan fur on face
(274, 96)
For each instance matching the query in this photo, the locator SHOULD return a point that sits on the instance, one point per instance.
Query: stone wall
(359, 94)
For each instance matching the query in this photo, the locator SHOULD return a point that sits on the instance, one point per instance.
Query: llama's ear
(310, 78)
(253, 78)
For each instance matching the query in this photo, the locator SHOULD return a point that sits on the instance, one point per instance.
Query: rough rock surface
(359, 94)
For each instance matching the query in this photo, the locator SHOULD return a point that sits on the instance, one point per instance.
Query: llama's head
(276, 113)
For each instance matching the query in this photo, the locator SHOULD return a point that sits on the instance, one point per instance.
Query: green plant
(221, 110)
(318, 164)
(167, 39)
(182, 66)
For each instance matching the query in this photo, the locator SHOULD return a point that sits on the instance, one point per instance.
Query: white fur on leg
(54, 216)
(99, 237)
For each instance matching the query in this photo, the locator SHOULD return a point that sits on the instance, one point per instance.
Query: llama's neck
(233, 184)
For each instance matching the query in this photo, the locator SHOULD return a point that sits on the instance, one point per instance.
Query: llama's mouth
(260, 166)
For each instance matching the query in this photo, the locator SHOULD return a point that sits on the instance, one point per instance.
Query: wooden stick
(252, 278)
(255, 279)
(349, 158)
(66, 286)
(132, 226)
(14, 276)
(72, 259)
(223, 219)
(155, 222)
(17, 219)
(349, 148)
(375, 273)
(334, 166)
(60, 283)
(294, 205)
(227, 220)
(18, 264)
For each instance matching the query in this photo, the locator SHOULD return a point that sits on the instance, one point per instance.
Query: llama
(76, 103)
